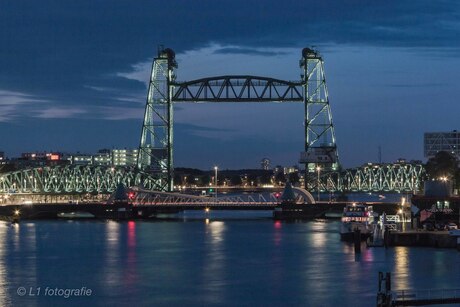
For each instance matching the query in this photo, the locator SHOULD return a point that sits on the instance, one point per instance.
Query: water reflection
(319, 235)
(250, 263)
(15, 229)
(402, 267)
(277, 233)
(112, 273)
(5, 299)
(20, 271)
(131, 260)
(213, 274)
(316, 257)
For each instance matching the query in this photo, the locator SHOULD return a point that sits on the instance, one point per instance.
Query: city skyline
(73, 77)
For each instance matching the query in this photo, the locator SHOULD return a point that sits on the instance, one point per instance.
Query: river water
(193, 259)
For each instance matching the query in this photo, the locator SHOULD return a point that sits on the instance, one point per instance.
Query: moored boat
(356, 217)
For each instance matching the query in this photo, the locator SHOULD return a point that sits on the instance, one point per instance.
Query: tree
(443, 164)
(294, 178)
(280, 177)
(252, 178)
(266, 178)
(190, 179)
(206, 179)
(177, 179)
(236, 180)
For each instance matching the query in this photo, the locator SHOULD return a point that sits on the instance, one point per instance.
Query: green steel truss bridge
(396, 177)
(74, 179)
(154, 169)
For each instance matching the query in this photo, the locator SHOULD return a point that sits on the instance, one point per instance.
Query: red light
(130, 195)
(277, 195)
(277, 224)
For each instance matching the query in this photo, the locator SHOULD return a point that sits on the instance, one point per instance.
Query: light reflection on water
(208, 262)
(213, 269)
(4, 295)
(112, 274)
(402, 267)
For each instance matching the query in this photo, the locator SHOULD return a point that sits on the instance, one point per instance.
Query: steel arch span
(74, 179)
(238, 88)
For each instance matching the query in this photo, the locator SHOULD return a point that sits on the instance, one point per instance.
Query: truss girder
(74, 179)
(238, 88)
(373, 178)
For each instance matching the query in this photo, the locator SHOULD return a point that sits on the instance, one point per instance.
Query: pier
(386, 297)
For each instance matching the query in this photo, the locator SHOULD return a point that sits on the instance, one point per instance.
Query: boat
(357, 217)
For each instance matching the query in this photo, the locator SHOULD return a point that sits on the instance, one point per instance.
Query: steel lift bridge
(320, 155)
(156, 147)
(155, 166)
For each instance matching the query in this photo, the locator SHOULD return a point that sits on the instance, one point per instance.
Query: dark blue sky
(73, 74)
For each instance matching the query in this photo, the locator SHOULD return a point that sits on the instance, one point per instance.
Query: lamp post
(318, 169)
(215, 177)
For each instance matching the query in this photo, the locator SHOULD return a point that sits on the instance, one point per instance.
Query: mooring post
(357, 240)
(386, 237)
(384, 298)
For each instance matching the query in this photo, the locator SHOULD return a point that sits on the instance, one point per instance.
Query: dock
(386, 297)
(423, 238)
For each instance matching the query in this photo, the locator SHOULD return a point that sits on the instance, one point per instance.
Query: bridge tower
(155, 154)
(320, 153)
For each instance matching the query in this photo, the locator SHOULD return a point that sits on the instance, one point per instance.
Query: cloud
(210, 61)
(58, 112)
(12, 104)
(138, 72)
(122, 113)
(16, 98)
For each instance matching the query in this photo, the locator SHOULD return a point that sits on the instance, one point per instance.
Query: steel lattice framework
(73, 179)
(155, 149)
(320, 143)
(156, 144)
(396, 177)
(238, 89)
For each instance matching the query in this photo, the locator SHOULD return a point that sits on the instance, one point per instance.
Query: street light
(215, 177)
(318, 169)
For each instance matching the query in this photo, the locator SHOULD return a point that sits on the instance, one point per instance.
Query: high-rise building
(115, 157)
(434, 142)
(124, 157)
(81, 159)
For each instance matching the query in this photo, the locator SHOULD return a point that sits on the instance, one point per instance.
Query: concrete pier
(422, 238)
